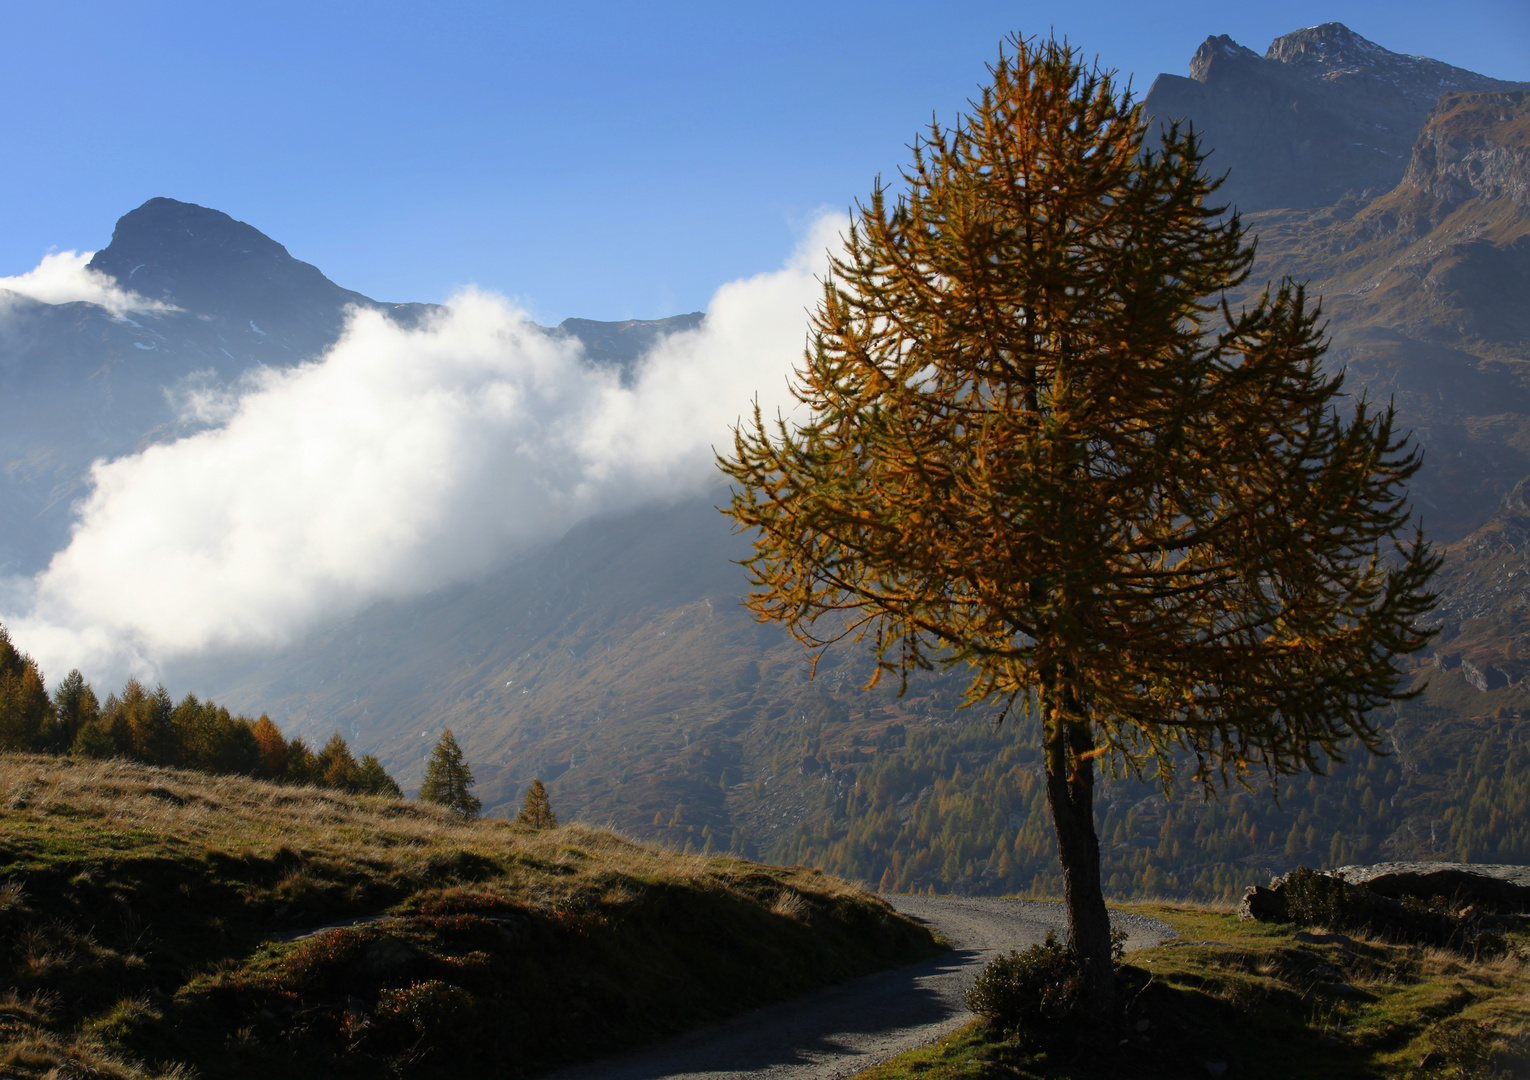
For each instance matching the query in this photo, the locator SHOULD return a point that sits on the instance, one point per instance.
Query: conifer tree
(335, 766)
(301, 763)
(537, 810)
(25, 711)
(74, 706)
(1037, 443)
(447, 778)
(272, 746)
(93, 741)
(373, 779)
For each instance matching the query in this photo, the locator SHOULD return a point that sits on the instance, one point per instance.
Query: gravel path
(840, 1031)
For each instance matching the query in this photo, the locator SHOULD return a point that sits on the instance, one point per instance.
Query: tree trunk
(1070, 793)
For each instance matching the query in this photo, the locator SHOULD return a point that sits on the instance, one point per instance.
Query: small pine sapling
(537, 810)
(447, 778)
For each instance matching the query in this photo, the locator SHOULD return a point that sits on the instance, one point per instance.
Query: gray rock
(387, 954)
(1494, 887)
(1484, 677)
(1344, 990)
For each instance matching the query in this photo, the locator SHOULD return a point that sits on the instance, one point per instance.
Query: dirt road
(840, 1031)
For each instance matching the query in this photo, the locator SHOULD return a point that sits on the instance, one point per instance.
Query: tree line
(149, 726)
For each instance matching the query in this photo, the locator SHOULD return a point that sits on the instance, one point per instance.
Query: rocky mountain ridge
(1324, 113)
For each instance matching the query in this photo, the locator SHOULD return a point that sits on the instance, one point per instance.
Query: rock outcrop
(1480, 888)
(1492, 887)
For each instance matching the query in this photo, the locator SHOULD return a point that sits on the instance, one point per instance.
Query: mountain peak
(1218, 49)
(197, 258)
(1323, 114)
(1327, 45)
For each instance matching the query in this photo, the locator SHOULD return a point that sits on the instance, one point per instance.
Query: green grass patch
(1236, 999)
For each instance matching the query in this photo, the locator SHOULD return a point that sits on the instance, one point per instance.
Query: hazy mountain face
(79, 381)
(618, 663)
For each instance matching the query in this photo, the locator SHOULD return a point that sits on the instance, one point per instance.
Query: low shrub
(1460, 1047)
(1034, 993)
(438, 1011)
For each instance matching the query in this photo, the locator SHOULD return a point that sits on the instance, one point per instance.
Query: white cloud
(400, 461)
(64, 278)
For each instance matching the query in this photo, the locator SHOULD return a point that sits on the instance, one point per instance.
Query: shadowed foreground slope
(156, 919)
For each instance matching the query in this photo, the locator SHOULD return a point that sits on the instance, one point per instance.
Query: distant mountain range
(618, 664)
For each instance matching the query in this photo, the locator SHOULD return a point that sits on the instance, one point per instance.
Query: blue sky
(592, 159)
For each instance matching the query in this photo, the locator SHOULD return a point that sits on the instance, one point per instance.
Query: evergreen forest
(961, 807)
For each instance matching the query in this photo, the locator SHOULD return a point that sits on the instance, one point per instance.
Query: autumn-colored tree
(146, 720)
(1036, 443)
(25, 711)
(273, 748)
(537, 810)
(447, 778)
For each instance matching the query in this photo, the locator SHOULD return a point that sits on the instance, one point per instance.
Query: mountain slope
(1323, 113)
(639, 688)
(1427, 289)
(619, 666)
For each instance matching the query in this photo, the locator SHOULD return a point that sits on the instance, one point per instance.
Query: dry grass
(164, 909)
(240, 817)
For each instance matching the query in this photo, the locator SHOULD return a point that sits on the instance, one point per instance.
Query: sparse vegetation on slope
(1255, 1000)
(158, 919)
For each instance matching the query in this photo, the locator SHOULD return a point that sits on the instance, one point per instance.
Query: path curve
(837, 1032)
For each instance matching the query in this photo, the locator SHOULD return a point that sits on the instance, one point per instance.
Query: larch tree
(1038, 442)
(273, 748)
(537, 810)
(447, 778)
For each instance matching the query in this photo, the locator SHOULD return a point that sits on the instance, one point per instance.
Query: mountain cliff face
(1427, 289)
(1323, 113)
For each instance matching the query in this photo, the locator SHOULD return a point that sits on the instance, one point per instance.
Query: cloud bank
(401, 461)
(63, 278)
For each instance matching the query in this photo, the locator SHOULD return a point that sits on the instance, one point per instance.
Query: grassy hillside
(157, 921)
(1261, 1000)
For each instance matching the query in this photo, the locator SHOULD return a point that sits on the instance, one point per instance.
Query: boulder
(1498, 888)
(386, 954)
(1263, 905)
